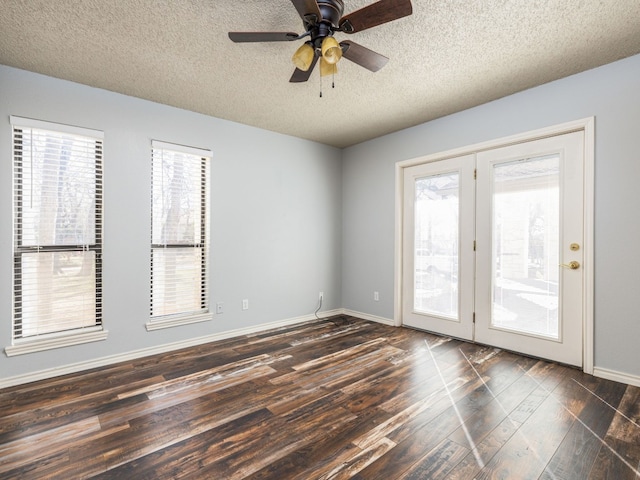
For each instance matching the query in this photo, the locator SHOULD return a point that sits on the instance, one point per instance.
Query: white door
(530, 224)
(524, 216)
(438, 235)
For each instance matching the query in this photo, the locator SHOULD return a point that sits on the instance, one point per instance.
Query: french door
(438, 271)
(492, 246)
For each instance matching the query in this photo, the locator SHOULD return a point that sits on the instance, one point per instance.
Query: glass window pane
(58, 176)
(177, 281)
(436, 245)
(58, 292)
(177, 198)
(526, 201)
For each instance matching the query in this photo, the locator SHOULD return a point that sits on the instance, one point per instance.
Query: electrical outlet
(219, 307)
(376, 296)
(245, 304)
(321, 296)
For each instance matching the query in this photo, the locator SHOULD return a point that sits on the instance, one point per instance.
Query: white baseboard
(366, 316)
(616, 376)
(145, 352)
(104, 361)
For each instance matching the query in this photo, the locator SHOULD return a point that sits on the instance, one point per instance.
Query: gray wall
(611, 94)
(278, 232)
(275, 219)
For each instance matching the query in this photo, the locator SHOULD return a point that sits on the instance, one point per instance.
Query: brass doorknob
(572, 265)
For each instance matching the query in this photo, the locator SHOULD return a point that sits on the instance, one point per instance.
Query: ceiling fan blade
(375, 14)
(306, 8)
(363, 56)
(241, 37)
(303, 75)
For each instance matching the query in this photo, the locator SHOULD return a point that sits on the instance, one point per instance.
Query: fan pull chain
(333, 82)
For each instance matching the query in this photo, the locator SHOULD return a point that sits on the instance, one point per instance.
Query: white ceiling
(448, 56)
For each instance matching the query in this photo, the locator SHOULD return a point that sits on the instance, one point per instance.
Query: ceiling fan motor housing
(331, 11)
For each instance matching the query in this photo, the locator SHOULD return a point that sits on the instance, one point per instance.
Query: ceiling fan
(321, 19)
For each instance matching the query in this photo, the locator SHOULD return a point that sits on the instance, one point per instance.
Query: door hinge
(474, 245)
(475, 174)
(474, 317)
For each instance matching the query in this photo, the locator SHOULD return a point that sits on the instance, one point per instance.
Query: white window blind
(179, 231)
(57, 198)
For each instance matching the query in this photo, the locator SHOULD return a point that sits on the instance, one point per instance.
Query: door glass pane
(526, 201)
(436, 245)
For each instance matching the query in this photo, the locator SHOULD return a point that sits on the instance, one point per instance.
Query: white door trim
(587, 125)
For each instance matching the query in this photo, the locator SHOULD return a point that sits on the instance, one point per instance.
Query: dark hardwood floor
(321, 400)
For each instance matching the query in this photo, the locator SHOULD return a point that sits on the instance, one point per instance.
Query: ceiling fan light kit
(321, 19)
(331, 50)
(327, 68)
(303, 57)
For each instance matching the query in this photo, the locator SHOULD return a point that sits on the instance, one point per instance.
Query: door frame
(586, 125)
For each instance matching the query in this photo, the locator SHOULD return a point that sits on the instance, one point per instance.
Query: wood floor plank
(244, 367)
(356, 463)
(438, 462)
(341, 356)
(625, 425)
(317, 458)
(47, 467)
(325, 399)
(308, 425)
(618, 460)
(527, 452)
(489, 416)
(574, 458)
(418, 434)
(52, 416)
(182, 396)
(410, 449)
(491, 444)
(183, 458)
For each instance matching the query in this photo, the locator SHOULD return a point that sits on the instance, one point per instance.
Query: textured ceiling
(448, 56)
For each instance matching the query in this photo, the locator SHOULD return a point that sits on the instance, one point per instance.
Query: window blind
(179, 231)
(57, 188)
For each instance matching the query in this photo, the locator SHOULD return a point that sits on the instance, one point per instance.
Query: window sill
(25, 346)
(177, 321)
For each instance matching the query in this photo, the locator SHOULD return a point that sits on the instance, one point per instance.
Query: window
(57, 187)
(179, 235)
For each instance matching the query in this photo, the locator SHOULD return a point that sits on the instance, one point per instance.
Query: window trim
(76, 336)
(178, 319)
(56, 340)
